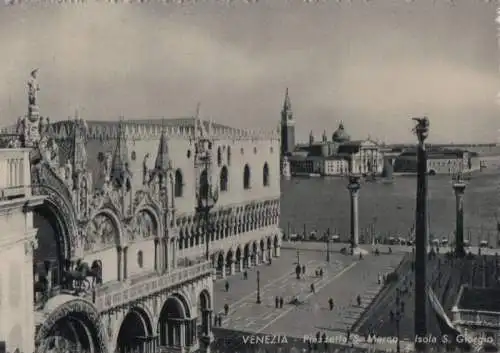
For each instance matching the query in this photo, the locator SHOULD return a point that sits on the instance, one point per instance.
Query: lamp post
(327, 245)
(258, 288)
(421, 235)
(397, 317)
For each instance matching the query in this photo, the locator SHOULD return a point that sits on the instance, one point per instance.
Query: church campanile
(287, 127)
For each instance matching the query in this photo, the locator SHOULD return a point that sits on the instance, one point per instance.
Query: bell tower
(287, 127)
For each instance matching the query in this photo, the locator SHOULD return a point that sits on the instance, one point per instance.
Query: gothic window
(223, 179)
(179, 183)
(219, 157)
(133, 156)
(255, 150)
(246, 177)
(228, 155)
(189, 154)
(204, 186)
(271, 149)
(140, 259)
(242, 151)
(265, 175)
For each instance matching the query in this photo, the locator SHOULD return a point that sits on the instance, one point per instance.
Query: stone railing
(476, 318)
(15, 176)
(108, 300)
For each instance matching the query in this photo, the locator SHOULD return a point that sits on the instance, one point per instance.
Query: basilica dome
(340, 135)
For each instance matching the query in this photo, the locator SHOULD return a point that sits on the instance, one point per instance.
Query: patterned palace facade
(125, 225)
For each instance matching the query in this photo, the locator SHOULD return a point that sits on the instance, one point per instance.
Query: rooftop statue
(33, 87)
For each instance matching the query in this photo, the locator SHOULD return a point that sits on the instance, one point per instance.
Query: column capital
(459, 187)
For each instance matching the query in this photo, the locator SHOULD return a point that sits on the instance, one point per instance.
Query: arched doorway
(229, 263)
(71, 325)
(221, 264)
(204, 314)
(135, 333)
(254, 253)
(246, 256)
(174, 327)
(239, 264)
(51, 256)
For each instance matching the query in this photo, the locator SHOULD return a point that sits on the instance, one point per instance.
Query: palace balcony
(117, 294)
(15, 176)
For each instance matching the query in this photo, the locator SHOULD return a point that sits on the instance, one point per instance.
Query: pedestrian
(390, 250)
(318, 336)
(361, 256)
(303, 269)
(321, 272)
(359, 300)
(323, 337)
(277, 302)
(312, 288)
(348, 335)
(331, 304)
(317, 273)
(226, 309)
(391, 315)
(227, 286)
(281, 302)
(220, 320)
(245, 275)
(379, 277)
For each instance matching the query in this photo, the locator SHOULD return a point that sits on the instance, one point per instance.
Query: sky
(371, 64)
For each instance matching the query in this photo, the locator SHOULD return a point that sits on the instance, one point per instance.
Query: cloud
(370, 65)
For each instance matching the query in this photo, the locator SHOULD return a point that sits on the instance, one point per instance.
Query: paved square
(344, 278)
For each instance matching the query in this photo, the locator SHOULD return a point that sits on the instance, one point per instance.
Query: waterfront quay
(318, 204)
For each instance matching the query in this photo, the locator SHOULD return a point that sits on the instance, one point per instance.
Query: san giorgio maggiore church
(337, 156)
(114, 231)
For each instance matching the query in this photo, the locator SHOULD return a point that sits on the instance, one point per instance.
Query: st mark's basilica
(116, 230)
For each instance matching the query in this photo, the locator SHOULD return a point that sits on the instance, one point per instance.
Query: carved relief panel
(145, 226)
(100, 233)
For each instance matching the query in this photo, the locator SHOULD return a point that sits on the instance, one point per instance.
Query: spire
(287, 105)
(79, 155)
(311, 138)
(120, 163)
(163, 162)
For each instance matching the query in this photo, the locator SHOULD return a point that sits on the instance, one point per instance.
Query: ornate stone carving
(30, 245)
(145, 170)
(145, 226)
(101, 232)
(84, 198)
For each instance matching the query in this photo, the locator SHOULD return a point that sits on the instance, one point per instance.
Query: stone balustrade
(126, 293)
(15, 176)
(476, 318)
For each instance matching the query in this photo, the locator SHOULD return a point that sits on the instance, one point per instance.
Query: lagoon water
(322, 203)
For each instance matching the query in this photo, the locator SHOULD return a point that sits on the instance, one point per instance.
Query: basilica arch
(72, 324)
(55, 222)
(174, 315)
(136, 333)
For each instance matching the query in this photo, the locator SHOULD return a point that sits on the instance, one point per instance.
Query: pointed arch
(178, 183)
(204, 185)
(246, 177)
(219, 156)
(223, 179)
(265, 175)
(229, 155)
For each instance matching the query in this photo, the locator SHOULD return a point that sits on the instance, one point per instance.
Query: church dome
(340, 135)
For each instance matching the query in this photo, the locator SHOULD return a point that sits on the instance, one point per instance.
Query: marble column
(240, 264)
(125, 262)
(249, 261)
(232, 268)
(257, 259)
(223, 271)
(277, 251)
(353, 188)
(459, 188)
(157, 255)
(263, 253)
(119, 263)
